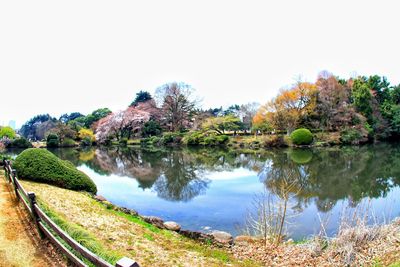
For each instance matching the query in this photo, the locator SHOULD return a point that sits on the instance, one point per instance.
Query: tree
(121, 124)
(291, 106)
(142, 96)
(86, 133)
(151, 128)
(177, 104)
(31, 128)
(7, 132)
(362, 97)
(247, 113)
(95, 116)
(221, 124)
(333, 96)
(65, 118)
(63, 131)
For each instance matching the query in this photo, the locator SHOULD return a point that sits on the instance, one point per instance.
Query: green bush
(352, 137)
(301, 136)
(52, 140)
(151, 128)
(86, 141)
(20, 143)
(68, 142)
(205, 139)
(43, 166)
(171, 138)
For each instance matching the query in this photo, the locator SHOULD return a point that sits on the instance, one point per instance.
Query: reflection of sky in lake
(226, 202)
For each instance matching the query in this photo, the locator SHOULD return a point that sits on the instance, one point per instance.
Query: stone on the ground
(100, 198)
(222, 237)
(173, 226)
(154, 221)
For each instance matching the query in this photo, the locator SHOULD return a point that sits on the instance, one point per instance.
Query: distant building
(12, 124)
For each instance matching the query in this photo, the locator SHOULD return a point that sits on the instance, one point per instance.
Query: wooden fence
(47, 227)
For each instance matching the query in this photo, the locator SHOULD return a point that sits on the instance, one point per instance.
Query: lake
(216, 189)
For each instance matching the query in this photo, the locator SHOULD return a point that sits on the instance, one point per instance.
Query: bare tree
(177, 104)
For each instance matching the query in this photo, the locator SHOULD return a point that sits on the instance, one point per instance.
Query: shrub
(354, 136)
(301, 136)
(171, 138)
(86, 141)
(42, 166)
(68, 142)
(151, 128)
(20, 143)
(275, 141)
(52, 140)
(205, 138)
(86, 133)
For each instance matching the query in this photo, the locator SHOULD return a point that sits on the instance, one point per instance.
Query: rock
(197, 235)
(128, 211)
(100, 198)
(244, 239)
(154, 221)
(173, 226)
(222, 237)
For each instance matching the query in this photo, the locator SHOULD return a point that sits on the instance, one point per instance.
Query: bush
(275, 141)
(171, 138)
(354, 136)
(52, 140)
(40, 165)
(301, 136)
(68, 142)
(205, 139)
(86, 141)
(20, 143)
(151, 128)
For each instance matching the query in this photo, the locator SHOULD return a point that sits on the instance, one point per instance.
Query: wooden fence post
(126, 262)
(32, 201)
(14, 175)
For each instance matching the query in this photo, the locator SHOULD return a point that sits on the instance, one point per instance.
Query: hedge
(40, 165)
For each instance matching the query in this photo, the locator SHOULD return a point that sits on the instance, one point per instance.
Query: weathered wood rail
(46, 227)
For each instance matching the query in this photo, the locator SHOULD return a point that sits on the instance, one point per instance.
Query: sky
(65, 56)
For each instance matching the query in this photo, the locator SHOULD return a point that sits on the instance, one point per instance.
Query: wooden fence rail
(46, 227)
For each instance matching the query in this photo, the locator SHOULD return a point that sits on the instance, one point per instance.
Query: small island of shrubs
(40, 165)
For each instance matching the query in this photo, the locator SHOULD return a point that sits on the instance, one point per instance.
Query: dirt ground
(20, 244)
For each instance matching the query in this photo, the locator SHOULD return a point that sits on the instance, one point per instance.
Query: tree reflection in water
(323, 176)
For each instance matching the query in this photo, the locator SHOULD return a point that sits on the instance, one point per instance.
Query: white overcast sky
(64, 56)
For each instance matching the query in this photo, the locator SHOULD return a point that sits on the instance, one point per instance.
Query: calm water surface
(207, 189)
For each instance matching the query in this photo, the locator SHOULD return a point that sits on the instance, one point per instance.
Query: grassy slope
(114, 234)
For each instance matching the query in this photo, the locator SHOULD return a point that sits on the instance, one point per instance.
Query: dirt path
(20, 244)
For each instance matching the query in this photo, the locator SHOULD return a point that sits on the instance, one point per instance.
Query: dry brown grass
(118, 234)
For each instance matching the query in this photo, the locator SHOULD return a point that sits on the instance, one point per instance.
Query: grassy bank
(113, 234)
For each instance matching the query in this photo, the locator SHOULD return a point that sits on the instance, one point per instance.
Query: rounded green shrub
(52, 140)
(20, 143)
(40, 165)
(301, 136)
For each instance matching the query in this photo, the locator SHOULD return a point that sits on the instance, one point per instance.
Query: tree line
(360, 109)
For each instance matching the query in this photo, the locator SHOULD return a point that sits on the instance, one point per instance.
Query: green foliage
(151, 128)
(52, 140)
(221, 124)
(350, 136)
(7, 132)
(142, 96)
(205, 139)
(171, 138)
(301, 136)
(20, 143)
(43, 166)
(68, 142)
(86, 141)
(362, 97)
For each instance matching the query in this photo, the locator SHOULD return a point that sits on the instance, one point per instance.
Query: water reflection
(321, 175)
(220, 181)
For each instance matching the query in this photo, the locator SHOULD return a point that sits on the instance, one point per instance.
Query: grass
(113, 234)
